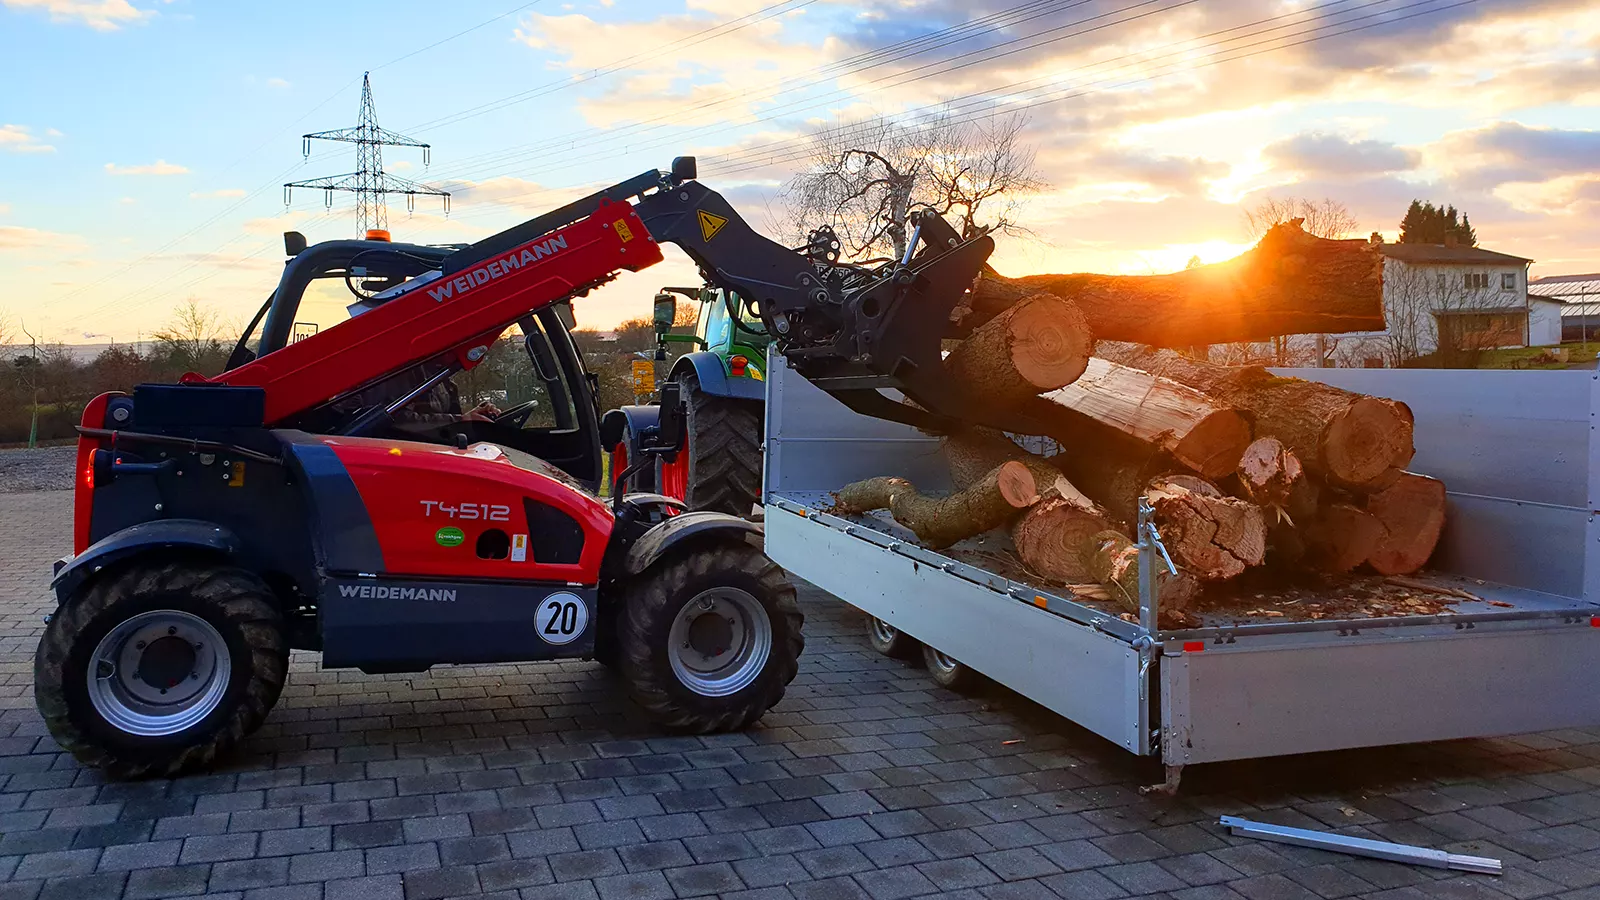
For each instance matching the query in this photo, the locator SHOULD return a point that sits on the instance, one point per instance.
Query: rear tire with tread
(239, 605)
(724, 450)
(652, 603)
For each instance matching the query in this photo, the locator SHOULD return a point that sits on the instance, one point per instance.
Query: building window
(1441, 281)
(1508, 281)
(1475, 281)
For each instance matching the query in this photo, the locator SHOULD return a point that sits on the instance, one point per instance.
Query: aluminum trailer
(1518, 451)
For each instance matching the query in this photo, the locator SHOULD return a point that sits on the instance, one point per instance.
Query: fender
(714, 377)
(685, 526)
(146, 537)
(624, 420)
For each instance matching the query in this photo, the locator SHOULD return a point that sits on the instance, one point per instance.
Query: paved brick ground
(865, 782)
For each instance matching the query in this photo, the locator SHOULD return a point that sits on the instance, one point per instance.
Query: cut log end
(1016, 484)
(1365, 440)
(1213, 447)
(1040, 344)
(1211, 536)
(1051, 536)
(1269, 473)
(1410, 514)
(1342, 537)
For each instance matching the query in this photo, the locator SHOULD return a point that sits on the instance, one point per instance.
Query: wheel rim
(882, 631)
(674, 477)
(720, 642)
(159, 673)
(941, 662)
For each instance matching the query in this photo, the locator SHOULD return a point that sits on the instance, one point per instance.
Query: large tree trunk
(1210, 535)
(1039, 344)
(1351, 440)
(1203, 435)
(1289, 283)
(991, 501)
(1411, 513)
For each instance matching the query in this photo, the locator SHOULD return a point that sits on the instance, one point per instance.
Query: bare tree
(1433, 317)
(193, 339)
(864, 179)
(1325, 218)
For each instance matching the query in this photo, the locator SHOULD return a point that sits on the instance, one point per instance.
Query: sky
(144, 143)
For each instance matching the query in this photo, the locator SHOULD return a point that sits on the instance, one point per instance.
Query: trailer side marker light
(1041, 602)
(736, 366)
(1193, 646)
(1594, 622)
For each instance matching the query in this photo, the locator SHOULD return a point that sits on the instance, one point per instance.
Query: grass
(1522, 357)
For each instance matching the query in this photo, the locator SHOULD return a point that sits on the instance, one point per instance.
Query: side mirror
(294, 243)
(666, 311)
(669, 422)
(564, 313)
(684, 169)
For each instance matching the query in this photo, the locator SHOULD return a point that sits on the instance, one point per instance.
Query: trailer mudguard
(160, 535)
(714, 377)
(655, 543)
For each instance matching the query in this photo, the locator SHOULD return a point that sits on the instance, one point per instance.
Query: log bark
(991, 501)
(1112, 560)
(1351, 440)
(1341, 537)
(1289, 283)
(1203, 435)
(1410, 514)
(1036, 345)
(1210, 535)
(1268, 473)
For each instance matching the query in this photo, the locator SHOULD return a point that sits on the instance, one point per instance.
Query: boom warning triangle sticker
(709, 224)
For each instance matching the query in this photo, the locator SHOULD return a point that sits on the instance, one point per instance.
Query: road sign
(644, 376)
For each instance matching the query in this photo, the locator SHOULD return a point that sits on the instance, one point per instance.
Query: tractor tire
(950, 674)
(891, 641)
(724, 465)
(216, 624)
(710, 638)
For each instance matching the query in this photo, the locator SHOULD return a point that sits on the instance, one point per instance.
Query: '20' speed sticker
(562, 617)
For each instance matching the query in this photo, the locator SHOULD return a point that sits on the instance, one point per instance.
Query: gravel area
(44, 469)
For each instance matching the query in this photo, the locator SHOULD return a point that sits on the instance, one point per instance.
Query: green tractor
(724, 394)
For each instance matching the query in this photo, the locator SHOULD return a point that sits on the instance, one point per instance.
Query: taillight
(737, 364)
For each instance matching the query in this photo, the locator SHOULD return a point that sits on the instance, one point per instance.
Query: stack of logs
(1243, 468)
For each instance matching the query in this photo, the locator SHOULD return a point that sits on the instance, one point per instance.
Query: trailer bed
(1338, 665)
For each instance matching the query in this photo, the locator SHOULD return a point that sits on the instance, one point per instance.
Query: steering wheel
(517, 416)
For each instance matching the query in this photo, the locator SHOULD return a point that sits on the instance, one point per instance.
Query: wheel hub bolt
(172, 630)
(139, 646)
(706, 603)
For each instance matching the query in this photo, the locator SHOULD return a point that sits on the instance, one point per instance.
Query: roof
(1540, 298)
(1440, 253)
(1566, 286)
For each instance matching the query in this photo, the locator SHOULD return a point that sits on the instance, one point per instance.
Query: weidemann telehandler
(294, 502)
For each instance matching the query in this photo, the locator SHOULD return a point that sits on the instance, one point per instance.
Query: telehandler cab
(328, 493)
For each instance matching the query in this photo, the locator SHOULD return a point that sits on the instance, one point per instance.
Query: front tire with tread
(239, 605)
(653, 601)
(724, 450)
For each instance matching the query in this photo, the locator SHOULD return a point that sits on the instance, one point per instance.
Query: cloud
(18, 238)
(159, 167)
(1545, 151)
(20, 139)
(101, 15)
(1332, 154)
(221, 193)
(127, 201)
(5, 209)
(277, 82)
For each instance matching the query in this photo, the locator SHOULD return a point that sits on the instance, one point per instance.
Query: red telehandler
(299, 500)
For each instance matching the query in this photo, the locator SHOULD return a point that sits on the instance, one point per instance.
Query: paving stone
(433, 884)
(171, 881)
(699, 880)
(84, 887)
(634, 886)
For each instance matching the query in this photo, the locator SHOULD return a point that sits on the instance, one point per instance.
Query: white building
(1478, 299)
(1578, 297)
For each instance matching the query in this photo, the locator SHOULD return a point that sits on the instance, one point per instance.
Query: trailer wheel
(949, 673)
(161, 668)
(889, 640)
(710, 638)
(723, 469)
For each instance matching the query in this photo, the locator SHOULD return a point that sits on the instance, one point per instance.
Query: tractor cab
(726, 326)
(528, 390)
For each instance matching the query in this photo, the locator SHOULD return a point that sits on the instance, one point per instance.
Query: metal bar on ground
(1338, 843)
